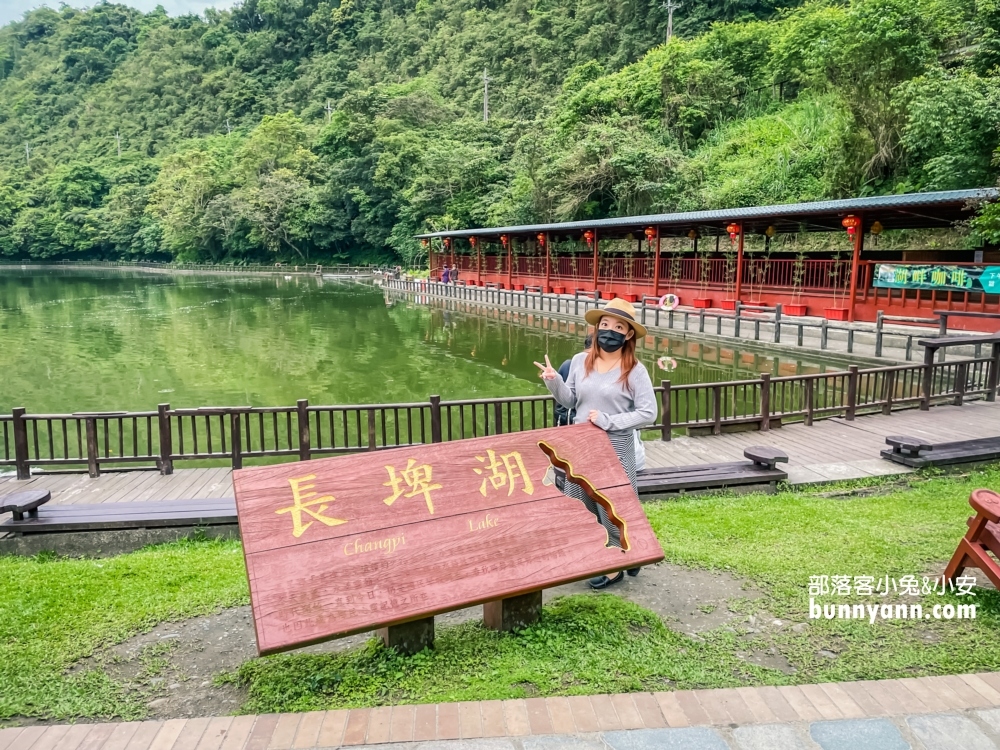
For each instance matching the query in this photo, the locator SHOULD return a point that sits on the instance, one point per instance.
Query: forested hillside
(325, 130)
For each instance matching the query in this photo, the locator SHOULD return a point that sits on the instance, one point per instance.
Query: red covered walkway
(714, 258)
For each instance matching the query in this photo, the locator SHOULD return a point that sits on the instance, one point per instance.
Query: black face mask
(610, 341)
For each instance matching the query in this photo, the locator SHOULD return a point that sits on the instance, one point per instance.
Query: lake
(106, 340)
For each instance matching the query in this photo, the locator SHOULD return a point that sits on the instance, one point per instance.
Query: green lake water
(100, 341)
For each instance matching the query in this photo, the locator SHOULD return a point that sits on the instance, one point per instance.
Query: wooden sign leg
(513, 613)
(410, 637)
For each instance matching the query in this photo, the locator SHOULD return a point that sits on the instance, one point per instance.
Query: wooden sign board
(348, 544)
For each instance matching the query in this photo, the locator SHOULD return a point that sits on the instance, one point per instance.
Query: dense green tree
(338, 129)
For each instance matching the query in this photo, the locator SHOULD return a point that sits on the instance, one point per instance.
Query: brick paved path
(926, 713)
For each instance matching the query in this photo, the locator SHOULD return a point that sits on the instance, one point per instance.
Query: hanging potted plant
(576, 265)
(760, 269)
(676, 270)
(557, 288)
(502, 257)
(588, 238)
(516, 265)
(729, 279)
(704, 271)
(798, 277)
(629, 259)
(676, 267)
(841, 281)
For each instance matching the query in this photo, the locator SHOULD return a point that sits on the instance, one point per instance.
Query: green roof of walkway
(907, 211)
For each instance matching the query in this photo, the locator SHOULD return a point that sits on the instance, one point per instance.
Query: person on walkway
(610, 388)
(445, 273)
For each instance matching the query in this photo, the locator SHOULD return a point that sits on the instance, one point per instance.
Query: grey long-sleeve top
(620, 408)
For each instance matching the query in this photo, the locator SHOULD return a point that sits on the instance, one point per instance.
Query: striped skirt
(624, 445)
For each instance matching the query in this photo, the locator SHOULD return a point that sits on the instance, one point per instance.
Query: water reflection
(88, 341)
(512, 341)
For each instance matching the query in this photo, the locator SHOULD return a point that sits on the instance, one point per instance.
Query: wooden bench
(28, 517)
(982, 538)
(917, 453)
(22, 504)
(760, 469)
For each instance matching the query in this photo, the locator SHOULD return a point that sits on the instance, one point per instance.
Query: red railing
(757, 272)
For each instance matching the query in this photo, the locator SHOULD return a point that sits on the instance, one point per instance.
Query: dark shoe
(633, 572)
(602, 582)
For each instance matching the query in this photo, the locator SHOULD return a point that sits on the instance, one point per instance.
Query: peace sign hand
(547, 371)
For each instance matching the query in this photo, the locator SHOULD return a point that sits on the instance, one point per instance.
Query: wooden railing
(751, 322)
(235, 434)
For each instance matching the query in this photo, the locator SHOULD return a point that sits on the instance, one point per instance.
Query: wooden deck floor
(128, 486)
(835, 448)
(829, 449)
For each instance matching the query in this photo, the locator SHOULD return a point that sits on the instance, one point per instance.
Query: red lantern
(472, 241)
(650, 235)
(588, 237)
(851, 224)
(447, 243)
(541, 239)
(425, 242)
(734, 232)
(504, 239)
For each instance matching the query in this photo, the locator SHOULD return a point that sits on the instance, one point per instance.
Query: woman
(610, 388)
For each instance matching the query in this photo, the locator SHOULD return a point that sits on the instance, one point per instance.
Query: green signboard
(961, 278)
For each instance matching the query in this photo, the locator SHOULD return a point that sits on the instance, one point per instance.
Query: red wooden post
(859, 242)
(510, 264)
(739, 265)
(656, 264)
(479, 264)
(596, 262)
(548, 264)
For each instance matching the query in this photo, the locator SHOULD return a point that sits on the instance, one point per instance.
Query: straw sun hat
(617, 308)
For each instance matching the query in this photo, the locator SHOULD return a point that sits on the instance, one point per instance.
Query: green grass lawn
(55, 612)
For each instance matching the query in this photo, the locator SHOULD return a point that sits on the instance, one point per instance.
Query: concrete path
(926, 713)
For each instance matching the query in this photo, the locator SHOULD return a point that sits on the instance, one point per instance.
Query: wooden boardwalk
(128, 486)
(832, 449)
(829, 449)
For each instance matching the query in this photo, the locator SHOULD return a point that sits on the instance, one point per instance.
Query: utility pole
(329, 110)
(118, 140)
(229, 128)
(670, 6)
(27, 153)
(486, 95)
